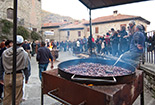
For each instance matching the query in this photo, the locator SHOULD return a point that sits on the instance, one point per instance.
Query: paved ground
(33, 88)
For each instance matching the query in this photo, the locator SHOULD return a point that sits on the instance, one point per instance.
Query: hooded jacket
(21, 59)
(22, 62)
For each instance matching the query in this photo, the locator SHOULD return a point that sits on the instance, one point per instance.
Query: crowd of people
(25, 49)
(130, 41)
(114, 42)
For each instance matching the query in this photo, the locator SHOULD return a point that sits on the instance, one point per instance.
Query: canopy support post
(90, 23)
(14, 52)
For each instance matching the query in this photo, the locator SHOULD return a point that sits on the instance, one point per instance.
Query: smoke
(131, 58)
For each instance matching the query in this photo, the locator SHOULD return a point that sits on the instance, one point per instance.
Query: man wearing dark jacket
(123, 41)
(98, 44)
(114, 42)
(43, 56)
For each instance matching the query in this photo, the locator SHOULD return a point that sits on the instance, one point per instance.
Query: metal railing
(150, 49)
(150, 56)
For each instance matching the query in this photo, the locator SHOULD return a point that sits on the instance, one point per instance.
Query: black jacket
(43, 55)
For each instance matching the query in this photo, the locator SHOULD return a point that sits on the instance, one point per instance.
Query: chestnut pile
(96, 69)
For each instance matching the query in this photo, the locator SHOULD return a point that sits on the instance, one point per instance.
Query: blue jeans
(42, 67)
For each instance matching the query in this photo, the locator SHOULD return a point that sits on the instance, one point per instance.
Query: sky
(77, 10)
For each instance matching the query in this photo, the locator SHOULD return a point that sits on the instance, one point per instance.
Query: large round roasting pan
(96, 79)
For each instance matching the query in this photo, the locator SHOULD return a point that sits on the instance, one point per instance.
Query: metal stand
(142, 98)
(142, 93)
(50, 93)
(42, 95)
(90, 23)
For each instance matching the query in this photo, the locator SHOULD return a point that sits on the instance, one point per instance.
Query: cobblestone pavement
(33, 88)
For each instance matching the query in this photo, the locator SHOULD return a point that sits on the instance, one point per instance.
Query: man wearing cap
(22, 67)
(132, 26)
(136, 46)
(132, 30)
(138, 40)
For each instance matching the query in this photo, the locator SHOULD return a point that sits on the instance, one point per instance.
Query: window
(68, 34)
(20, 21)
(41, 32)
(123, 25)
(96, 30)
(88, 30)
(79, 33)
(34, 29)
(10, 13)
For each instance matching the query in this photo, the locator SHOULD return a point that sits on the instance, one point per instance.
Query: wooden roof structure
(95, 4)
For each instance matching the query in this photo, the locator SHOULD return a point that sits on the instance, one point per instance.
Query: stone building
(64, 30)
(100, 26)
(51, 30)
(29, 13)
(72, 31)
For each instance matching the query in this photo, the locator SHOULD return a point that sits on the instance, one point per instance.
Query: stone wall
(55, 36)
(72, 36)
(29, 12)
(149, 78)
(150, 81)
(5, 4)
(60, 35)
(104, 28)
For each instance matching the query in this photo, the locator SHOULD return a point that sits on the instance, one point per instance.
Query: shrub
(7, 25)
(23, 32)
(35, 36)
(3, 37)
